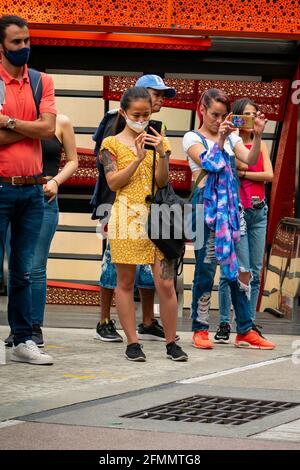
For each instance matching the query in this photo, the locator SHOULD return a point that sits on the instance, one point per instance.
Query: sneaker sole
(36, 363)
(250, 346)
(10, 345)
(202, 347)
(147, 337)
(177, 359)
(108, 340)
(138, 359)
(222, 341)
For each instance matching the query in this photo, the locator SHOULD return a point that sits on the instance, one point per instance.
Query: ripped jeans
(205, 270)
(250, 253)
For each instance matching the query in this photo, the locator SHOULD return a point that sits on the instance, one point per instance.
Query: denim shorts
(108, 277)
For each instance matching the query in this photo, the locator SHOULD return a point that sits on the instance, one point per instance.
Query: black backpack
(170, 218)
(102, 193)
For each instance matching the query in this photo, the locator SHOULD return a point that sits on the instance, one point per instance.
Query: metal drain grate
(217, 410)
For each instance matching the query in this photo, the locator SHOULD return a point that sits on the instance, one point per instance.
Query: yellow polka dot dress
(129, 243)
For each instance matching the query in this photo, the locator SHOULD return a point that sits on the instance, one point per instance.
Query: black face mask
(18, 58)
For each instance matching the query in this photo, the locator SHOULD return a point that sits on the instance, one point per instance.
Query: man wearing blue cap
(154, 82)
(150, 329)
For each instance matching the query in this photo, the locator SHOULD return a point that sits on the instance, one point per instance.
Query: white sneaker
(29, 352)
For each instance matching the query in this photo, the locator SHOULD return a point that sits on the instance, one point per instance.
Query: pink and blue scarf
(221, 211)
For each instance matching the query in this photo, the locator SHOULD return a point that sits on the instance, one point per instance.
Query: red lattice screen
(257, 18)
(271, 96)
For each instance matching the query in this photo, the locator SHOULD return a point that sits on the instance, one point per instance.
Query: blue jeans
(205, 271)
(108, 277)
(38, 273)
(22, 207)
(250, 253)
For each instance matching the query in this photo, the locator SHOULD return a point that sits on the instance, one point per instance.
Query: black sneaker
(175, 352)
(134, 353)
(153, 332)
(37, 336)
(258, 329)
(223, 333)
(9, 341)
(107, 332)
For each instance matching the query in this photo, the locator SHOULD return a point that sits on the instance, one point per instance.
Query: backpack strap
(202, 172)
(203, 139)
(231, 143)
(35, 79)
(2, 92)
(36, 85)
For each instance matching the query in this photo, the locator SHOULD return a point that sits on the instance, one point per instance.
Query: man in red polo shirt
(21, 190)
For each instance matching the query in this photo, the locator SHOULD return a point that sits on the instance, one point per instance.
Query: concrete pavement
(79, 402)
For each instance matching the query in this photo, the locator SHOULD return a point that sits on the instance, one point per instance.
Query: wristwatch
(11, 123)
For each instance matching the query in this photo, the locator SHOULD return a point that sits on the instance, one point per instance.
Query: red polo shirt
(24, 158)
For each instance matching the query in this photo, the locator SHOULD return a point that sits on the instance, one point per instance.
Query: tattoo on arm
(109, 161)
(167, 268)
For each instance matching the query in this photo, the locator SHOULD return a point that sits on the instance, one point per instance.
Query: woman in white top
(215, 137)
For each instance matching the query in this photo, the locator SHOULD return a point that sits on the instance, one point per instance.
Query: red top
(249, 188)
(24, 158)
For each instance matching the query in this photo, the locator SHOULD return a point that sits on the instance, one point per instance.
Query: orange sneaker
(253, 340)
(201, 340)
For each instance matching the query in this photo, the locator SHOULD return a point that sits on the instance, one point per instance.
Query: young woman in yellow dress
(128, 168)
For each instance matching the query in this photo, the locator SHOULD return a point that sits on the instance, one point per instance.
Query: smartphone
(242, 121)
(157, 125)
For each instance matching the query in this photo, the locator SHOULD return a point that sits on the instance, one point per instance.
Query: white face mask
(137, 127)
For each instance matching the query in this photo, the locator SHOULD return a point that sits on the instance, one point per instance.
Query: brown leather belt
(23, 180)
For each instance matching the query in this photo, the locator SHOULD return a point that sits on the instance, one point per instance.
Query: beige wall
(78, 82)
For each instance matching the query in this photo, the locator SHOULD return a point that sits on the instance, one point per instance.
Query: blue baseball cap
(157, 83)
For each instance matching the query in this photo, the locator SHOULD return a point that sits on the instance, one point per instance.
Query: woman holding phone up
(214, 148)
(128, 169)
(250, 249)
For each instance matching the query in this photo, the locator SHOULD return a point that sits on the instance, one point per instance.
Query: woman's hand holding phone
(155, 140)
(259, 124)
(226, 128)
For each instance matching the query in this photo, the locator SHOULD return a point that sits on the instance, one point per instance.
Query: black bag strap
(153, 174)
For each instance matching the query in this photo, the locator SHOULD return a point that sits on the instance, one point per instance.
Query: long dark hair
(130, 95)
(239, 106)
(213, 94)
(6, 21)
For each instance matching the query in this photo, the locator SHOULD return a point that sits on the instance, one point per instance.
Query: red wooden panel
(283, 186)
(124, 41)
